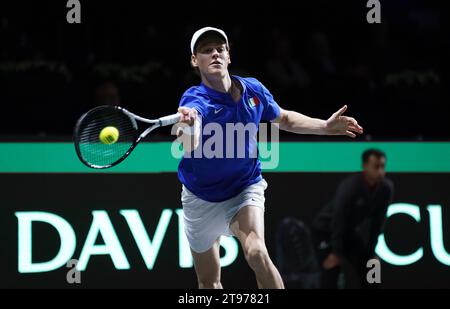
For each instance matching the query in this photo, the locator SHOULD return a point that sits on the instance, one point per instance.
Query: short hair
(372, 152)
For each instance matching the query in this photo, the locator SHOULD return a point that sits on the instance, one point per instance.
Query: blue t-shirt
(224, 165)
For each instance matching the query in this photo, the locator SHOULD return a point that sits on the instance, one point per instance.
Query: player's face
(375, 168)
(212, 58)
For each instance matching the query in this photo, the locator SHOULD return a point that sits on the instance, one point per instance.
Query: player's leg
(203, 233)
(248, 226)
(207, 267)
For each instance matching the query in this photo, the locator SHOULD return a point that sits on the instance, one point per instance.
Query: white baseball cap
(202, 31)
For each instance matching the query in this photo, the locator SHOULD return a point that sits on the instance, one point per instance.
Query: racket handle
(168, 120)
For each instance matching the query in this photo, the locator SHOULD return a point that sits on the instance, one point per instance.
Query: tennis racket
(94, 152)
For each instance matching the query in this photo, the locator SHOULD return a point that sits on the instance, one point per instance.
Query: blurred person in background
(348, 227)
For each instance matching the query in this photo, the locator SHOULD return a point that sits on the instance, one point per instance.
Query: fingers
(356, 129)
(188, 115)
(350, 120)
(353, 124)
(184, 110)
(350, 134)
(341, 111)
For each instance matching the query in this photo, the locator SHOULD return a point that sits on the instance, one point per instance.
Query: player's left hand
(342, 125)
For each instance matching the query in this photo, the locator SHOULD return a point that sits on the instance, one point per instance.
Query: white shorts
(205, 222)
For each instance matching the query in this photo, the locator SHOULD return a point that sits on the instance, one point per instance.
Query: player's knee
(257, 256)
(209, 284)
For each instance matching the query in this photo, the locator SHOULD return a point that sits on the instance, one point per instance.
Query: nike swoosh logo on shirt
(217, 110)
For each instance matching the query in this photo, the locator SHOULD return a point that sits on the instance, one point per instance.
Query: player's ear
(194, 61)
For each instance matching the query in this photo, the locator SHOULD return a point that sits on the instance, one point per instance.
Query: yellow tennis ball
(109, 135)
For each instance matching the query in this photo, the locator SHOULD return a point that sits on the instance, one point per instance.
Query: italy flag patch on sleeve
(254, 101)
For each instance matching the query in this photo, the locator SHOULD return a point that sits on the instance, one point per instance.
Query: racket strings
(92, 149)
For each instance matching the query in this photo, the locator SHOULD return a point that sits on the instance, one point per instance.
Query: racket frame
(156, 123)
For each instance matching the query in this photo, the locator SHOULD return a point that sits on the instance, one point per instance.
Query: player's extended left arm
(337, 124)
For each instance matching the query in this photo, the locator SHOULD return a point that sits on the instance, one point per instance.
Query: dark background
(151, 193)
(314, 56)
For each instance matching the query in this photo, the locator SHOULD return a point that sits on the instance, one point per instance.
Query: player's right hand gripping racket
(91, 147)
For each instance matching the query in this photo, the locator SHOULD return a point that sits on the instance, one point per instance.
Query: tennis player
(225, 196)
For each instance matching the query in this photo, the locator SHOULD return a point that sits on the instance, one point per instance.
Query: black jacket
(355, 212)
